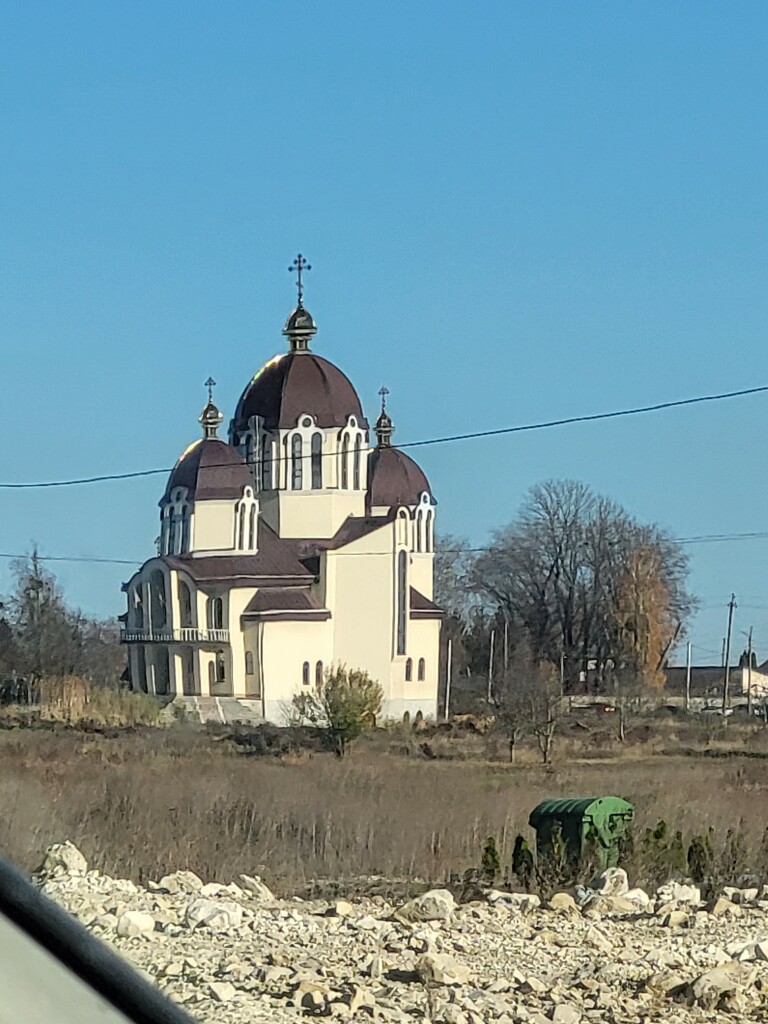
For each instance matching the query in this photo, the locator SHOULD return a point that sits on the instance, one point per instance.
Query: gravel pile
(235, 953)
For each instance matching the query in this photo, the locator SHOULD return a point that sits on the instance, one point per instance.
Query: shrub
(346, 703)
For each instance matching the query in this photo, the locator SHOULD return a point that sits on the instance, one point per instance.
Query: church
(299, 544)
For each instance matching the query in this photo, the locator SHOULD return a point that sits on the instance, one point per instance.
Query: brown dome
(209, 468)
(394, 478)
(296, 383)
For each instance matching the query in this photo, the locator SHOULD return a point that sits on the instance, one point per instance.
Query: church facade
(299, 544)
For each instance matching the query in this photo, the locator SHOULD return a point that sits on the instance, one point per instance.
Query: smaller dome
(208, 469)
(394, 478)
(299, 328)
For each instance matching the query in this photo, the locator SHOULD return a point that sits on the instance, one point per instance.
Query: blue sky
(514, 211)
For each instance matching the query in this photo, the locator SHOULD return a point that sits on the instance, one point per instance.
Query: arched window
(356, 465)
(305, 674)
(158, 608)
(402, 599)
(345, 463)
(297, 474)
(422, 670)
(221, 668)
(409, 670)
(266, 462)
(185, 606)
(252, 528)
(319, 675)
(249, 663)
(241, 526)
(418, 528)
(429, 526)
(138, 609)
(317, 461)
(142, 670)
(283, 476)
(215, 613)
(171, 548)
(184, 545)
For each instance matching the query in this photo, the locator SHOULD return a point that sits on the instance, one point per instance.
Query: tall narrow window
(266, 463)
(402, 599)
(249, 663)
(185, 605)
(429, 529)
(408, 670)
(305, 674)
(283, 475)
(241, 527)
(215, 613)
(297, 474)
(252, 528)
(184, 546)
(356, 465)
(319, 675)
(221, 670)
(317, 461)
(171, 550)
(418, 527)
(422, 670)
(158, 604)
(345, 463)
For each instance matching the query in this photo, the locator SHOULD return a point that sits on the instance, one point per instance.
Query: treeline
(41, 636)
(573, 583)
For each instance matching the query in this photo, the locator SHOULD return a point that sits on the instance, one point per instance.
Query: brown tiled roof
(275, 559)
(394, 478)
(210, 468)
(423, 608)
(286, 603)
(295, 383)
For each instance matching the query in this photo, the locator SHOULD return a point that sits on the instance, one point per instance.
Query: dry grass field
(145, 801)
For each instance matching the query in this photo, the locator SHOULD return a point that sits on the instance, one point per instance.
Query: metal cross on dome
(383, 391)
(298, 266)
(210, 384)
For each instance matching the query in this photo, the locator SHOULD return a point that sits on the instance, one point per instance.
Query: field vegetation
(413, 805)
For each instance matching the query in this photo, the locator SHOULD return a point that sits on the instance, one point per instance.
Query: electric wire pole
(749, 673)
(727, 657)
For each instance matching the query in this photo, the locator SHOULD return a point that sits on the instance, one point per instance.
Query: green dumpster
(571, 823)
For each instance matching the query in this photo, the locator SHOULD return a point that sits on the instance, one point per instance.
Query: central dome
(294, 384)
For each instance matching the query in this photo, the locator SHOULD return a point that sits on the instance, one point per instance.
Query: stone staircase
(221, 710)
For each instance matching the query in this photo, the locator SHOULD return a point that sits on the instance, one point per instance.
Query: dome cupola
(394, 479)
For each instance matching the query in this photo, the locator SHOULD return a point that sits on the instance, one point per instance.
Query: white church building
(293, 547)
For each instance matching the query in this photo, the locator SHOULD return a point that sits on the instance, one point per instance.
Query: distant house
(707, 681)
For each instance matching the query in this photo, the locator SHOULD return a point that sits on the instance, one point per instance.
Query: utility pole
(722, 654)
(448, 669)
(490, 667)
(688, 678)
(731, 606)
(562, 674)
(506, 645)
(749, 673)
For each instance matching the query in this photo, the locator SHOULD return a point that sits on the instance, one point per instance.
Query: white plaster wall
(286, 646)
(360, 593)
(238, 600)
(422, 573)
(423, 641)
(213, 526)
(317, 514)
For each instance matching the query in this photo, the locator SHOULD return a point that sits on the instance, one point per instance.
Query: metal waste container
(576, 823)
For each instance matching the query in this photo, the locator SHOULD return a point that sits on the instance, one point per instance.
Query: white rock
(134, 923)
(435, 905)
(710, 987)
(565, 1014)
(63, 859)
(638, 896)
(675, 892)
(217, 915)
(254, 885)
(525, 902)
(222, 991)
(442, 969)
(611, 882)
(181, 881)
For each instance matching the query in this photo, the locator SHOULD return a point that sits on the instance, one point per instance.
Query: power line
(447, 439)
(486, 549)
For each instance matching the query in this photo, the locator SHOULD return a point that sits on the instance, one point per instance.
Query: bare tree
(529, 702)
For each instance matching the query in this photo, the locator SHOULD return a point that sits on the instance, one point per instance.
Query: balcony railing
(183, 635)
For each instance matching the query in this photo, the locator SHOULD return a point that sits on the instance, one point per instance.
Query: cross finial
(383, 391)
(210, 384)
(298, 267)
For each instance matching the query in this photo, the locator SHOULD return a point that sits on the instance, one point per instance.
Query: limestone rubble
(235, 953)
